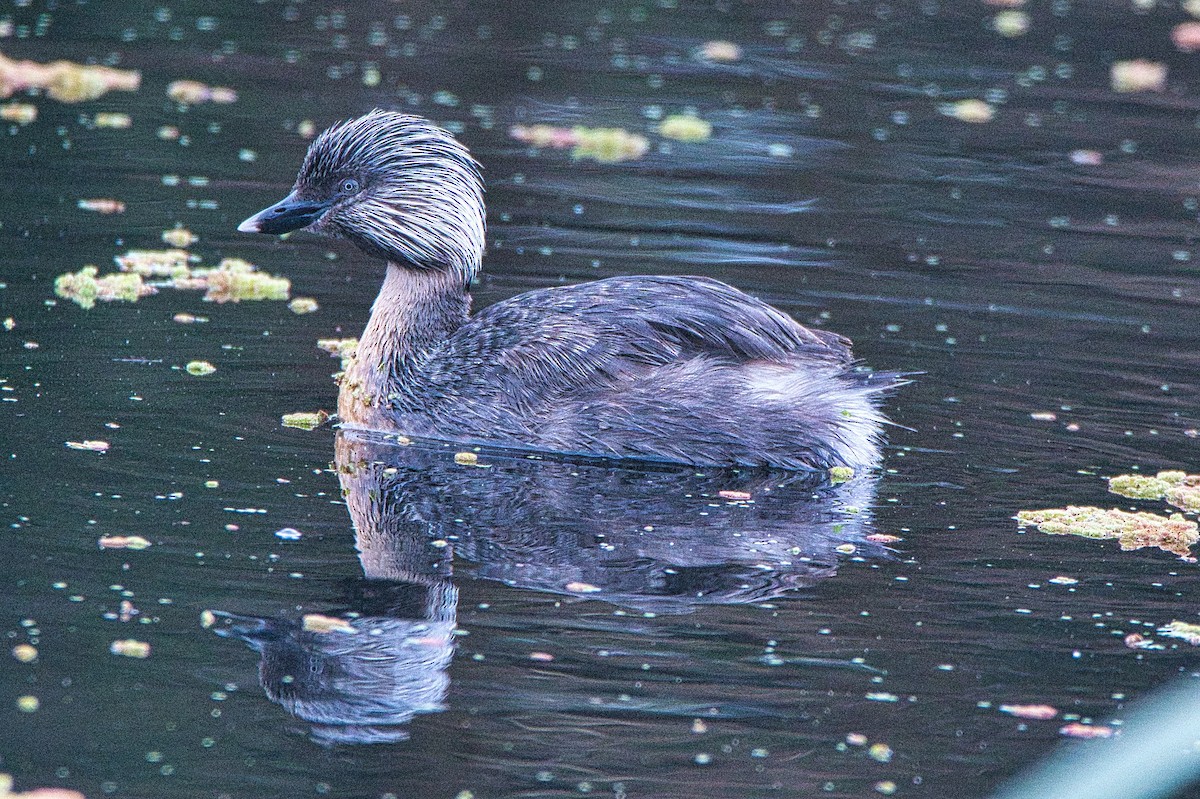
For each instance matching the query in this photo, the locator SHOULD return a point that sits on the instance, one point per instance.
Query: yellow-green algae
(85, 288)
(685, 128)
(1177, 487)
(840, 474)
(232, 280)
(343, 348)
(305, 420)
(1181, 629)
(1173, 534)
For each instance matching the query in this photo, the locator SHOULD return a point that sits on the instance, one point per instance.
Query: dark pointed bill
(290, 213)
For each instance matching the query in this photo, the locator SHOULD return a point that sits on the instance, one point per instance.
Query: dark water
(533, 628)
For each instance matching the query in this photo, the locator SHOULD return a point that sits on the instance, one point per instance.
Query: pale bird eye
(350, 186)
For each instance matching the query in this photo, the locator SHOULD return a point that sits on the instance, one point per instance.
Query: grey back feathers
(419, 196)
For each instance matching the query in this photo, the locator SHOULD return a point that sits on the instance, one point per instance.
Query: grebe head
(396, 185)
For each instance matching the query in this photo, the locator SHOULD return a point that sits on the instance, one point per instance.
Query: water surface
(542, 628)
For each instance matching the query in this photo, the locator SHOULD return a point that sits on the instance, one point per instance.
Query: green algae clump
(1173, 534)
(685, 128)
(200, 368)
(85, 288)
(840, 474)
(1178, 488)
(608, 145)
(305, 420)
(234, 280)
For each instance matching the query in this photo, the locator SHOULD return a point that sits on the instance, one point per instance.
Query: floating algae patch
(340, 347)
(64, 81)
(303, 305)
(179, 236)
(155, 263)
(144, 272)
(606, 145)
(305, 420)
(1181, 629)
(200, 368)
(193, 92)
(1178, 488)
(1173, 534)
(685, 128)
(234, 280)
(85, 288)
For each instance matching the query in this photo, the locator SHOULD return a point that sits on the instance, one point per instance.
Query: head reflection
(661, 539)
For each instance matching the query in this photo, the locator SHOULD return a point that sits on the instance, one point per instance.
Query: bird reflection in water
(661, 538)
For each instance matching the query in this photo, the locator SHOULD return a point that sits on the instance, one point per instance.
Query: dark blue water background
(540, 629)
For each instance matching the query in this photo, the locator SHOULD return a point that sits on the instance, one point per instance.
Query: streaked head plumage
(397, 185)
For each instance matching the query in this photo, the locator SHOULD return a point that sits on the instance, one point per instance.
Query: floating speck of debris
(112, 120)
(1062, 580)
(1077, 730)
(1186, 36)
(207, 618)
(9, 323)
(192, 92)
(1138, 75)
(130, 648)
(581, 588)
(316, 623)
(303, 305)
(1011, 23)
(305, 420)
(1087, 157)
(1040, 712)
(719, 51)
(699, 727)
(101, 205)
(179, 237)
(685, 128)
(188, 319)
(884, 538)
(21, 113)
(200, 368)
(28, 703)
(541, 657)
(885, 787)
(466, 458)
(289, 534)
(735, 495)
(856, 739)
(89, 445)
(1043, 416)
(26, 653)
(973, 111)
(881, 752)
(846, 549)
(123, 542)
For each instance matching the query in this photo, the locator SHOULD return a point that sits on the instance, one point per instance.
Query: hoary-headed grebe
(679, 369)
